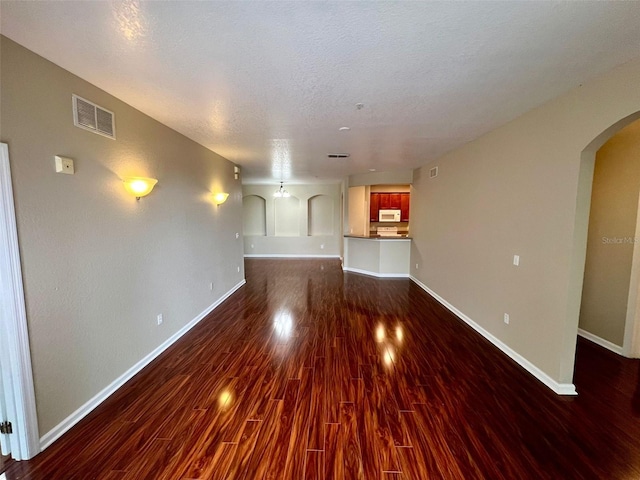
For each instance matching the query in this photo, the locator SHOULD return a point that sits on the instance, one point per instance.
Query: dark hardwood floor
(4, 462)
(307, 372)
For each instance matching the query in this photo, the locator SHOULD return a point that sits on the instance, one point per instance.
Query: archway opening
(610, 286)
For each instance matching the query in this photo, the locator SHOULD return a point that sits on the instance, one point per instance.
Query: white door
(5, 386)
(17, 398)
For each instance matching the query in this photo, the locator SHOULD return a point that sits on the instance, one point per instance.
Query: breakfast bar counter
(379, 256)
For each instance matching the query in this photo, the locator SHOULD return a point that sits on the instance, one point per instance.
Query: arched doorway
(612, 269)
(631, 345)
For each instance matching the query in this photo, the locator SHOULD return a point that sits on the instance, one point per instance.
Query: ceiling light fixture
(281, 192)
(344, 129)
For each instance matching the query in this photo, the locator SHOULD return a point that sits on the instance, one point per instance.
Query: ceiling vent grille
(89, 116)
(338, 155)
(433, 173)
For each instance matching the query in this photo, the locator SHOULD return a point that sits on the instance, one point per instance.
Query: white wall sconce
(139, 186)
(220, 197)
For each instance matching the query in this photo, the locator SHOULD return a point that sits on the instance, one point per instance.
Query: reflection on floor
(307, 372)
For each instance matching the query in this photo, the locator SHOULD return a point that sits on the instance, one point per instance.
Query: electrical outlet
(237, 235)
(416, 266)
(321, 246)
(211, 286)
(238, 269)
(506, 318)
(516, 260)
(159, 319)
(252, 245)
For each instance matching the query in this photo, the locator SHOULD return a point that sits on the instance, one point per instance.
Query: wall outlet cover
(64, 165)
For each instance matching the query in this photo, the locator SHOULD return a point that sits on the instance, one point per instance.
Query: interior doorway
(609, 313)
(18, 420)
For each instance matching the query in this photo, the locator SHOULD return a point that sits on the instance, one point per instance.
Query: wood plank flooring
(309, 373)
(4, 462)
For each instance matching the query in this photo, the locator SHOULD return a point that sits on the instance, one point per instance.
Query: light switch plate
(64, 165)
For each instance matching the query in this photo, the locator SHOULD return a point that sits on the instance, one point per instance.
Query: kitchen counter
(378, 256)
(379, 237)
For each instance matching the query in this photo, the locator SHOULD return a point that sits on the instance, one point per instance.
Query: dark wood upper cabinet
(404, 206)
(374, 207)
(389, 201)
(384, 201)
(394, 201)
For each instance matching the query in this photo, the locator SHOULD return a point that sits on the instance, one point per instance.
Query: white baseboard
(559, 388)
(600, 341)
(375, 274)
(286, 255)
(56, 432)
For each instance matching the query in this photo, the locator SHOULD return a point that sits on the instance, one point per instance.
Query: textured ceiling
(268, 84)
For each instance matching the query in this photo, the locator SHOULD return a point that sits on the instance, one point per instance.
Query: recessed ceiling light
(372, 169)
(344, 129)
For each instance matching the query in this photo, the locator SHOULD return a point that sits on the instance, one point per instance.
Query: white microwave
(389, 215)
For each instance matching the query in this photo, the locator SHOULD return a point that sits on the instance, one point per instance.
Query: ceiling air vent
(92, 117)
(338, 155)
(433, 173)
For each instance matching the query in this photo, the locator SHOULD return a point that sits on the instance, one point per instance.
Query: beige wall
(390, 188)
(358, 213)
(612, 227)
(397, 177)
(99, 266)
(520, 189)
(289, 227)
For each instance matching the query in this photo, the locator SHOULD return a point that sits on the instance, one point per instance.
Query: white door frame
(16, 357)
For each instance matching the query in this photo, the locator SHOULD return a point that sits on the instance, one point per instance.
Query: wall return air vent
(92, 117)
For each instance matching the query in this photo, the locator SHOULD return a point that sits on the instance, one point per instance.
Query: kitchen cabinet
(374, 207)
(389, 201)
(383, 200)
(404, 207)
(394, 201)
